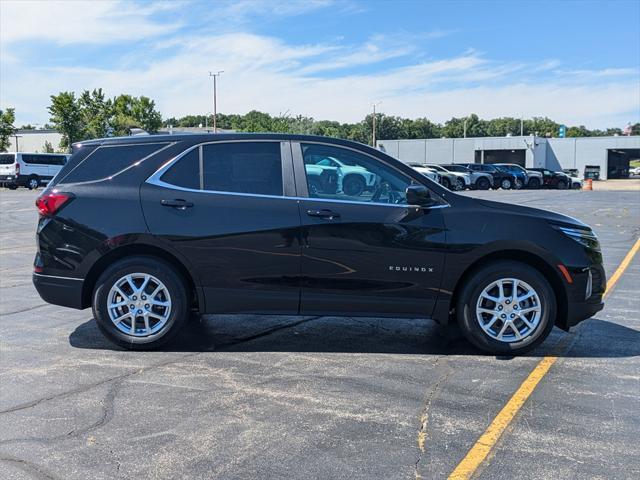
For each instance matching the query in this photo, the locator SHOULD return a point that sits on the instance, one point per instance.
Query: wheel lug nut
(134, 297)
(512, 315)
(508, 302)
(132, 306)
(146, 306)
(143, 297)
(503, 316)
(139, 312)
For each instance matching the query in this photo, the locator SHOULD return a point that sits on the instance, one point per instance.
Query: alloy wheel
(139, 304)
(509, 310)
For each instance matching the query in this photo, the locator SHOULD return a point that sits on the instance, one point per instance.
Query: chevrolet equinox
(146, 229)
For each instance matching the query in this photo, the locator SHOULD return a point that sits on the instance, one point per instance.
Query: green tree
(47, 148)
(96, 113)
(7, 117)
(66, 117)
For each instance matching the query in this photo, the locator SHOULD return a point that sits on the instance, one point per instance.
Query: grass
(634, 163)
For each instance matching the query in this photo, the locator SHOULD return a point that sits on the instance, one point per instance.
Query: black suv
(146, 229)
(501, 178)
(551, 179)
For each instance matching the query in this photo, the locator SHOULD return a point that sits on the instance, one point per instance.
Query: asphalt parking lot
(315, 397)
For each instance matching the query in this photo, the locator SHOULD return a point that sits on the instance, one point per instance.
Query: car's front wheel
(460, 185)
(483, 183)
(562, 185)
(140, 303)
(446, 183)
(506, 307)
(534, 183)
(506, 184)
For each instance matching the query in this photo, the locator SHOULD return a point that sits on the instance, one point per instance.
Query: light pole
(464, 126)
(373, 132)
(215, 76)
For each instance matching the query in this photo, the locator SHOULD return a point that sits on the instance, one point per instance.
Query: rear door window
(6, 159)
(185, 172)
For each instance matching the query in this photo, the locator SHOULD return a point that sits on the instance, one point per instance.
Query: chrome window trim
(56, 276)
(160, 183)
(154, 179)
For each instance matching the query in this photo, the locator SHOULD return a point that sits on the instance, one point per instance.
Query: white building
(33, 140)
(610, 156)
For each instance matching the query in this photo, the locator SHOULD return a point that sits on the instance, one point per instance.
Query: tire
(33, 182)
(562, 185)
(541, 321)
(446, 183)
(576, 186)
(483, 183)
(518, 184)
(506, 184)
(534, 183)
(163, 323)
(314, 187)
(460, 185)
(353, 185)
(12, 186)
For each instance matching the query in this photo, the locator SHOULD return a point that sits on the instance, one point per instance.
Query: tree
(133, 112)
(67, 118)
(7, 130)
(47, 148)
(96, 113)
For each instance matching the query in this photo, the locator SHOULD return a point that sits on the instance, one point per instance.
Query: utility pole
(215, 76)
(521, 127)
(465, 127)
(373, 136)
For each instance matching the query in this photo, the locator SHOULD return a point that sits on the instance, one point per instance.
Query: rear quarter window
(106, 161)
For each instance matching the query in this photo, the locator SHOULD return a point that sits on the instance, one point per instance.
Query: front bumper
(63, 291)
(579, 311)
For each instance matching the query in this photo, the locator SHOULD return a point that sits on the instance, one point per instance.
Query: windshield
(7, 159)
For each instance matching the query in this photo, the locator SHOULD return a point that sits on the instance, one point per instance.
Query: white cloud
(66, 21)
(269, 74)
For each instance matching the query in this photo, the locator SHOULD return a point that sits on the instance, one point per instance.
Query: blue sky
(576, 62)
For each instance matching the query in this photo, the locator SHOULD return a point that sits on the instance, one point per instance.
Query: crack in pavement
(124, 376)
(28, 467)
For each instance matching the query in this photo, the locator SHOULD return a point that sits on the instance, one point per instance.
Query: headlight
(584, 237)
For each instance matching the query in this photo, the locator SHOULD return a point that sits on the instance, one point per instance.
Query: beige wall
(33, 140)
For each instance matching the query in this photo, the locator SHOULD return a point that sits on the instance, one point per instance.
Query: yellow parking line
(483, 446)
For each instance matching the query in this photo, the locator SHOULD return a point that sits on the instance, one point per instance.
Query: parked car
(330, 175)
(634, 171)
(501, 178)
(29, 169)
(479, 180)
(551, 179)
(446, 179)
(426, 171)
(576, 183)
(460, 181)
(520, 174)
(227, 223)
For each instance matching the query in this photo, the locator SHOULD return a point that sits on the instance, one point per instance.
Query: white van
(29, 169)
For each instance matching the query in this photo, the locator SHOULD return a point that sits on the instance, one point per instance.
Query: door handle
(177, 203)
(326, 214)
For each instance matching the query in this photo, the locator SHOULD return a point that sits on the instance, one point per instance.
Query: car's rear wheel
(446, 183)
(506, 184)
(12, 186)
(460, 185)
(483, 183)
(33, 182)
(353, 185)
(518, 184)
(534, 183)
(562, 185)
(506, 308)
(140, 303)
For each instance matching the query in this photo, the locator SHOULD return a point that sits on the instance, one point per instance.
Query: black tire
(460, 185)
(483, 277)
(506, 184)
(518, 184)
(12, 186)
(483, 183)
(576, 186)
(353, 185)
(534, 183)
(164, 272)
(446, 183)
(562, 185)
(33, 182)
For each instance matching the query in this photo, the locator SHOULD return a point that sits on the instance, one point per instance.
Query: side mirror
(419, 195)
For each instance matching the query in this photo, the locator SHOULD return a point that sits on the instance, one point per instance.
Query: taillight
(48, 204)
(17, 168)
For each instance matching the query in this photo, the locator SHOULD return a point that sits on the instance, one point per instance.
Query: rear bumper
(63, 291)
(8, 179)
